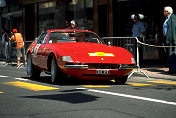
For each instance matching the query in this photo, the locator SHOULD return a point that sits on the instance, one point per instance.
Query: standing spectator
(67, 24)
(74, 25)
(6, 48)
(169, 31)
(2, 44)
(138, 31)
(17, 38)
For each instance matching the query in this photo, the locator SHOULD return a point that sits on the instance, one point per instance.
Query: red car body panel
(82, 53)
(91, 74)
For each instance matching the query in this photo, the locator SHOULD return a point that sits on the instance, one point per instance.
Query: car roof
(51, 30)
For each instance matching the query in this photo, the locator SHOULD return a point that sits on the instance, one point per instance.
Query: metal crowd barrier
(11, 53)
(129, 43)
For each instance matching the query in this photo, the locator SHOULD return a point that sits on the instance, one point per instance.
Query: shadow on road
(72, 96)
(72, 81)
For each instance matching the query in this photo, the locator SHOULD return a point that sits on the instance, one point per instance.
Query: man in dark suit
(169, 31)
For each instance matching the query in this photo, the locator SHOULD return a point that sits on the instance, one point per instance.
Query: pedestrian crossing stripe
(30, 86)
(140, 84)
(163, 82)
(89, 86)
(3, 76)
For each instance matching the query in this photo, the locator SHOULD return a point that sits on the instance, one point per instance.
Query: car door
(38, 54)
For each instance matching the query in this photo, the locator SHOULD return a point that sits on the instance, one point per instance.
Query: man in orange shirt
(18, 39)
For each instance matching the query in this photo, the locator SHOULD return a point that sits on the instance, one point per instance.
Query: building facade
(11, 15)
(105, 17)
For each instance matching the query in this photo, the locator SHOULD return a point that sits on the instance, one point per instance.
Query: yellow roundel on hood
(101, 54)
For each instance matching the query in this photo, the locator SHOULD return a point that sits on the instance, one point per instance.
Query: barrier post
(137, 62)
(137, 51)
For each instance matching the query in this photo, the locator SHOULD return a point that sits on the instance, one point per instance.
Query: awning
(12, 14)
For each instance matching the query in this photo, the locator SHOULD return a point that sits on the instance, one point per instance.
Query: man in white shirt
(138, 31)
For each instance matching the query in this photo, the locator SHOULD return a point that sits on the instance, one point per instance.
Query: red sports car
(79, 54)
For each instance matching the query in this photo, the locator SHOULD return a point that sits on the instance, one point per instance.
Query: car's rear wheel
(56, 75)
(32, 72)
(121, 80)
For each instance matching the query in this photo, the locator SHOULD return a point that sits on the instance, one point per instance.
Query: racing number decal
(36, 49)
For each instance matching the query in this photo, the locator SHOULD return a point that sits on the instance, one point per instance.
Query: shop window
(52, 15)
(82, 12)
(46, 16)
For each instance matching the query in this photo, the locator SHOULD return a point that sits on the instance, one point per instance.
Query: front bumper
(102, 66)
(89, 72)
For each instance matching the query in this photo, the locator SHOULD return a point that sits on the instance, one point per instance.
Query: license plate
(102, 72)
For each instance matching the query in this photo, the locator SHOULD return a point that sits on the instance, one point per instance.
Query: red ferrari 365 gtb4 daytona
(80, 54)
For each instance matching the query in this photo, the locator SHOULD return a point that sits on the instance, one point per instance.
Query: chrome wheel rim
(52, 72)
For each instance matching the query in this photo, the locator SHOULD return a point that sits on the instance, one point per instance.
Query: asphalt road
(139, 98)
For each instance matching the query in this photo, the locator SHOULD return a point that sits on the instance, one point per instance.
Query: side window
(42, 38)
(54, 36)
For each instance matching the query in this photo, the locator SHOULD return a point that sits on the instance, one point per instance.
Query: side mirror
(50, 41)
(109, 43)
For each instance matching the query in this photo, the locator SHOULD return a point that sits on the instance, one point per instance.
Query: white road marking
(3, 76)
(130, 96)
(22, 79)
(16, 78)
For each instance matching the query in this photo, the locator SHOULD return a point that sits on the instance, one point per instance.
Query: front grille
(96, 75)
(103, 66)
(99, 66)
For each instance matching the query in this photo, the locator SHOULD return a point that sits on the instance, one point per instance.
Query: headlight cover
(67, 59)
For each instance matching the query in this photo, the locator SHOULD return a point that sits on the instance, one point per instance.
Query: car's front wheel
(32, 72)
(56, 75)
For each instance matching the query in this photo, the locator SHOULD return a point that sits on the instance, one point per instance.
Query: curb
(159, 73)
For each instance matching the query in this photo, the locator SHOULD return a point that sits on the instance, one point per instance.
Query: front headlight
(67, 59)
(133, 60)
(62, 60)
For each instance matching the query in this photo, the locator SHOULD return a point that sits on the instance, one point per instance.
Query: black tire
(32, 72)
(121, 80)
(56, 75)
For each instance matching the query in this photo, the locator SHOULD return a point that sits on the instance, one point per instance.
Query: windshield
(74, 36)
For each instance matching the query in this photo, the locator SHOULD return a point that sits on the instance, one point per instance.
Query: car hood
(93, 53)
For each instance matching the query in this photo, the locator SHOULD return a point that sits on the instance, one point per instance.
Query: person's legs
(18, 61)
(172, 58)
(135, 50)
(5, 50)
(19, 55)
(2, 49)
(140, 55)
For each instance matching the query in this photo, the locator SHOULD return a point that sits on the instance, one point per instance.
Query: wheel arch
(50, 57)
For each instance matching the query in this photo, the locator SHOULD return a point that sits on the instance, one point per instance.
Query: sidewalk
(12, 62)
(157, 71)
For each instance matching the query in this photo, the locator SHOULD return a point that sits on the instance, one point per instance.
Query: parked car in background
(79, 54)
